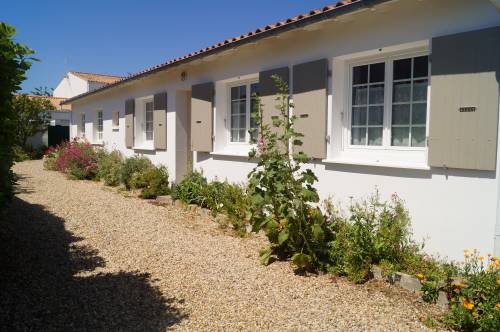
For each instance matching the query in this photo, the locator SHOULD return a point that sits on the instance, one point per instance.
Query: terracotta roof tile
(56, 103)
(100, 78)
(281, 25)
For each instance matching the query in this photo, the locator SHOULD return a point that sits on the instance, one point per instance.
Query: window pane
(400, 114)
(401, 92)
(360, 75)
(375, 136)
(359, 116)
(377, 72)
(376, 94)
(419, 113)
(400, 136)
(376, 115)
(420, 90)
(402, 69)
(254, 89)
(243, 92)
(242, 135)
(358, 136)
(418, 136)
(421, 66)
(234, 93)
(359, 95)
(235, 135)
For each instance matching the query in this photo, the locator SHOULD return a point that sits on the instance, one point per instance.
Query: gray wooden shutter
(465, 70)
(129, 122)
(310, 103)
(201, 117)
(160, 121)
(268, 91)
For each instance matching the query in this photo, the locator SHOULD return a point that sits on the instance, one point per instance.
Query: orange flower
(497, 306)
(467, 305)
(494, 258)
(420, 276)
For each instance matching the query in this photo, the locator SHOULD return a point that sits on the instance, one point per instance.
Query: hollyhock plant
(77, 159)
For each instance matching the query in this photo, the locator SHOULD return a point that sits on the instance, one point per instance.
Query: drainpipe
(497, 223)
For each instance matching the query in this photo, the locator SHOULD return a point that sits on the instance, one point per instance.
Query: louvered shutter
(160, 121)
(201, 117)
(129, 122)
(465, 70)
(310, 104)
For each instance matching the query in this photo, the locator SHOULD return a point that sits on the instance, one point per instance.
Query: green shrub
(49, 159)
(375, 233)
(282, 193)
(109, 168)
(20, 154)
(475, 300)
(229, 199)
(152, 181)
(131, 166)
(192, 189)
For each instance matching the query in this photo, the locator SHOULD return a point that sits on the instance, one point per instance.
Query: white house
(399, 95)
(75, 83)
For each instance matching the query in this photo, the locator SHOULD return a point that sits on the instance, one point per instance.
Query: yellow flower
(497, 306)
(494, 258)
(466, 251)
(498, 281)
(467, 305)
(481, 258)
(458, 284)
(466, 254)
(420, 276)
(475, 314)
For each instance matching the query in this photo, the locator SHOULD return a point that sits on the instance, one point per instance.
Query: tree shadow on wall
(39, 288)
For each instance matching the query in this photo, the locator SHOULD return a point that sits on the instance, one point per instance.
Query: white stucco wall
(453, 209)
(70, 86)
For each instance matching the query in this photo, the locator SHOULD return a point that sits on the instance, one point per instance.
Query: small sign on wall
(467, 109)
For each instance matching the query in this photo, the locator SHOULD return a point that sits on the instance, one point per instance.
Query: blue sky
(121, 37)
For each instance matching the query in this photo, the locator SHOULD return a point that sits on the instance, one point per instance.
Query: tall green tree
(32, 116)
(15, 60)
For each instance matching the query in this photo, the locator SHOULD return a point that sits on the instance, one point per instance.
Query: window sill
(98, 143)
(230, 153)
(144, 148)
(415, 166)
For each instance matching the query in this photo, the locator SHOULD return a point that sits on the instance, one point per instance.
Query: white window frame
(388, 59)
(146, 140)
(247, 83)
(82, 125)
(99, 134)
(140, 124)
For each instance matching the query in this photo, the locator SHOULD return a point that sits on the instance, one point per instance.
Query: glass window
(149, 120)
(99, 125)
(367, 113)
(409, 101)
(82, 125)
(243, 106)
(116, 120)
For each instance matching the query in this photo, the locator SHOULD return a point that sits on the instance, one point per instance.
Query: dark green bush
(109, 168)
(152, 181)
(14, 62)
(131, 166)
(191, 189)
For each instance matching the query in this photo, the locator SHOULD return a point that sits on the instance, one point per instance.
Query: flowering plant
(78, 159)
(475, 300)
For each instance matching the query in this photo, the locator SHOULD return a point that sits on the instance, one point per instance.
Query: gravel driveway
(77, 255)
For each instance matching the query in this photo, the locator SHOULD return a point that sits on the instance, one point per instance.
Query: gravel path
(77, 255)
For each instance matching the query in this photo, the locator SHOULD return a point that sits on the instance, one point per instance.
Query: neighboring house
(58, 129)
(402, 96)
(75, 83)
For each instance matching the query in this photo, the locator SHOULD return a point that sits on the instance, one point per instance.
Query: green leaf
(318, 233)
(265, 255)
(283, 235)
(301, 260)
